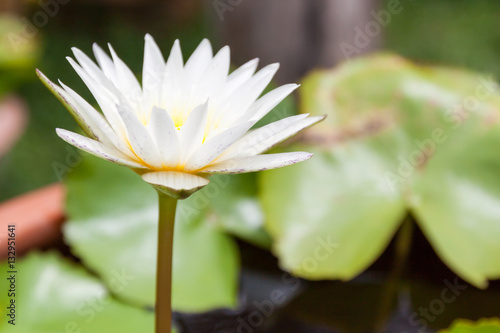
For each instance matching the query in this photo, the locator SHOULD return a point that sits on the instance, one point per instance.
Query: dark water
(425, 298)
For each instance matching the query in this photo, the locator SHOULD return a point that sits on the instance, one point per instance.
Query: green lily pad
(55, 295)
(482, 326)
(399, 138)
(233, 205)
(459, 204)
(314, 238)
(112, 227)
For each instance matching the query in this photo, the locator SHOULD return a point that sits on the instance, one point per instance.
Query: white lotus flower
(187, 121)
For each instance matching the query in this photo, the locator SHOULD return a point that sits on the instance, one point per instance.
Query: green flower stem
(164, 263)
(402, 251)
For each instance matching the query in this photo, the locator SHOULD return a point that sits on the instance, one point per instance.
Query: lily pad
(55, 295)
(399, 138)
(112, 227)
(233, 205)
(329, 215)
(482, 326)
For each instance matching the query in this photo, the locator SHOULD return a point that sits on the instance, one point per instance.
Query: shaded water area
(427, 297)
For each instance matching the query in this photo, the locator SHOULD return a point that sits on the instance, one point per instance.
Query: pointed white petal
(139, 138)
(93, 70)
(199, 61)
(153, 70)
(174, 81)
(103, 130)
(175, 57)
(176, 184)
(87, 64)
(166, 136)
(250, 142)
(266, 137)
(212, 148)
(105, 62)
(269, 101)
(192, 132)
(104, 98)
(101, 94)
(257, 163)
(281, 136)
(212, 81)
(65, 99)
(243, 97)
(98, 149)
(239, 76)
(126, 81)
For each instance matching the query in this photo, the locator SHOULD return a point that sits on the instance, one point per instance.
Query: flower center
(178, 118)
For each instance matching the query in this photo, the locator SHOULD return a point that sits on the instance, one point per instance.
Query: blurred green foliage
(459, 33)
(17, 55)
(399, 139)
(482, 326)
(56, 295)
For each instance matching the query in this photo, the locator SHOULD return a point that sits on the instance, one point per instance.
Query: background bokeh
(300, 34)
(272, 220)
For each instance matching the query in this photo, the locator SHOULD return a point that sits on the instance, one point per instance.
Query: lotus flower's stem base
(164, 263)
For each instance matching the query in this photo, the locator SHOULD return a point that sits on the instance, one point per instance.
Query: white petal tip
(178, 185)
(274, 66)
(320, 118)
(42, 77)
(73, 63)
(65, 135)
(96, 48)
(60, 131)
(112, 50)
(257, 163)
(302, 156)
(254, 63)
